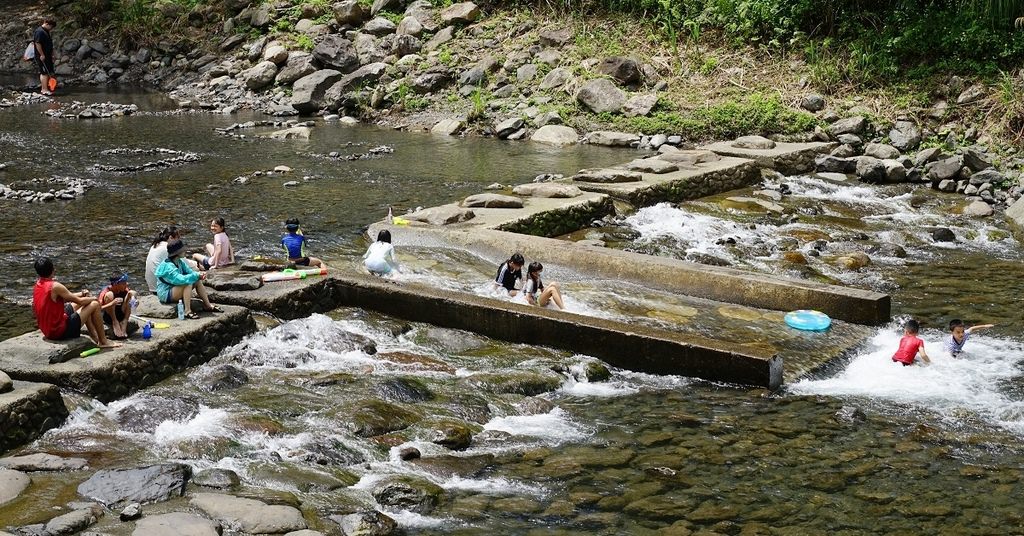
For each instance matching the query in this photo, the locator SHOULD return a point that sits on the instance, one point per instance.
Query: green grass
(755, 114)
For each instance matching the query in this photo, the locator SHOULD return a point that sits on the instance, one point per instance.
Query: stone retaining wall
(562, 221)
(28, 411)
(286, 300)
(695, 187)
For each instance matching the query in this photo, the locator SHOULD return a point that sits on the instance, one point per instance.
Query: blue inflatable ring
(808, 320)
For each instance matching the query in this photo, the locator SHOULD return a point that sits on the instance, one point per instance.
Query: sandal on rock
(215, 309)
(192, 316)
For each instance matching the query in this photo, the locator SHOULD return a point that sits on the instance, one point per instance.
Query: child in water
(910, 345)
(509, 272)
(954, 344)
(219, 253)
(379, 258)
(536, 292)
(294, 242)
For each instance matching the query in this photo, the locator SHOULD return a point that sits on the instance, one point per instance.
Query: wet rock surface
(155, 483)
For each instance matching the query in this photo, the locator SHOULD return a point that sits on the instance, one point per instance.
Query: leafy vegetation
(754, 114)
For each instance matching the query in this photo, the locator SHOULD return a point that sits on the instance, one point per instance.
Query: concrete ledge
(717, 283)
(28, 411)
(629, 346)
(287, 300)
(113, 374)
(786, 158)
(707, 178)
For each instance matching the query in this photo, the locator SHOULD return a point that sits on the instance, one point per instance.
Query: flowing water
(865, 447)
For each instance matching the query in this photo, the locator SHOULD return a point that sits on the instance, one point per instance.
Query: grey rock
(410, 26)
(549, 56)
(249, 515)
(72, 522)
(442, 215)
(361, 76)
(905, 136)
(555, 79)
(971, 95)
(832, 164)
(229, 43)
(527, 72)
(612, 139)
(6, 385)
(275, 53)
(404, 45)
(753, 142)
(217, 478)
(844, 151)
(813, 102)
(601, 95)
(945, 169)
(548, 189)
(947, 185)
(294, 133)
(658, 140)
(299, 64)
(308, 92)
(507, 127)
(773, 195)
(625, 71)
(261, 17)
(492, 201)
(640, 105)
(380, 27)
(895, 171)
(927, 155)
(555, 37)
(131, 512)
(117, 487)
(260, 75)
(366, 524)
(461, 13)
(473, 76)
(42, 461)
(971, 190)
(349, 13)
(870, 169)
(150, 307)
(652, 165)
(987, 176)
(176, 524)
(852, 140)
(337, 53)
(881, 151)
(976, 160)
(606, 176)
(448, 127)
(440, 38)
(368, 49)
(12, 484)
(222, 377)
(557, 135)
(409, 493)
(1015, 213)
(850, 125)
(430, 82)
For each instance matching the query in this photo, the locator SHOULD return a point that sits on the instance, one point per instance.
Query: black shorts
(73, 327)
(44, 67)
(118, 313)
(300, 262)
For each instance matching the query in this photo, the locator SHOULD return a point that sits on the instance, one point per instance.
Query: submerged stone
(410, 493)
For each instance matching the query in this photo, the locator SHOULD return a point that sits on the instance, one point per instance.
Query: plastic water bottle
(391, 215)
(181, 310)
(147, 330)
(133, 303)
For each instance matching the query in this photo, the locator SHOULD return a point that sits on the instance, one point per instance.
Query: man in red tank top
(59, 313)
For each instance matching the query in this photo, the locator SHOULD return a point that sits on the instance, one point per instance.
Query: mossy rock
(410, 493)
(305, 479)
(453, 435)
(596, 371)
(524, 383)
(375, 417)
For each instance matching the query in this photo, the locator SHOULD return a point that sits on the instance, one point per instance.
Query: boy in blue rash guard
(294, 242)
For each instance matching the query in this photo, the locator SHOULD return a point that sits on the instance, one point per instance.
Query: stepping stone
(492, 201)
(652, 165)
(606, 176)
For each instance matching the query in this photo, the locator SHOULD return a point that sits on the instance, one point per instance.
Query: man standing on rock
(44, 54)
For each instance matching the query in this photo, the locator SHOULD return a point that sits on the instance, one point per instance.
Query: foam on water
(947, 387)
(554, 427)
(492, 486)
(695, 232)
(209, 422)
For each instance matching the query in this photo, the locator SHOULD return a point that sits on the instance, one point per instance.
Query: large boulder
(905, 136)
(409, 493)
(299, 64)
(945, 169)
(308, 92)
(976, 160)
(600, 95)
(850, 125)
(12, 483)
(410, 26)
(895, 171)
(461, 13)
(612, 139)
(275, 53)
(260, 75)
(249, 515)
(448, 127)
(349, 13)
(1015, 214)
(625, 71)
(43, 462)
(492, 201)
(118, 487)
(870, 169)
(176, 524)
(557, 135)
(443, 215)
(978, 209)
(371, 523)
(881, 151)
(368, 49)
(639, 105)
(337, 53)
(380, 27)
(363, 75)
(548, 189)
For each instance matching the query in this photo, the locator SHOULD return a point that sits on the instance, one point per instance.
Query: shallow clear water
(866, 447)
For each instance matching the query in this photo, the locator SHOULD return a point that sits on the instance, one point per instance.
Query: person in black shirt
(509, 272)
(44, 54)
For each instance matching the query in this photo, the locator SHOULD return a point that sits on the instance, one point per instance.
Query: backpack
(30, 52)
